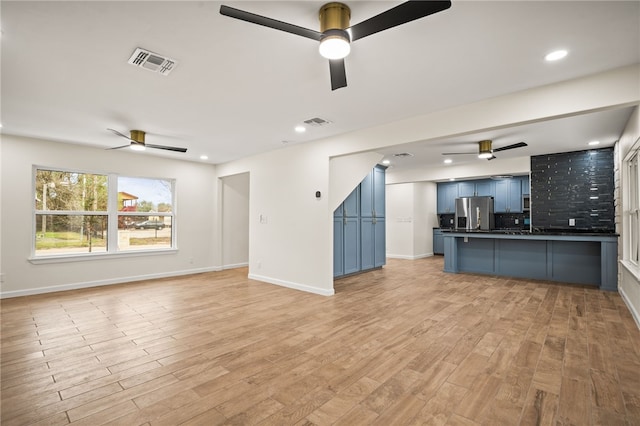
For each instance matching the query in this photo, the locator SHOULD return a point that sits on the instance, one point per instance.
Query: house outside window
(81, 214)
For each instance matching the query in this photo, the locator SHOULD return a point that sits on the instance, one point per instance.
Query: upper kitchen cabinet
(508, 196)
(476, 188)
(526, 188)
(447, 194)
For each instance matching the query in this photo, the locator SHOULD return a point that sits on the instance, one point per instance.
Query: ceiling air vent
(317, 122)
(403, 154)
(152, 61)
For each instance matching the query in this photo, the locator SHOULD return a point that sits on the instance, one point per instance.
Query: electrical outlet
(517, 221)
(572, 222)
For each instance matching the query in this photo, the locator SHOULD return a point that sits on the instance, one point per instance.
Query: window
(84, 213)
(634, 207)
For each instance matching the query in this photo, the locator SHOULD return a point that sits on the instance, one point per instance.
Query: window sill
(83, 257)
(632, 268)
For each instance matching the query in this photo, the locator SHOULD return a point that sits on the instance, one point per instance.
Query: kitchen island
(579, 258)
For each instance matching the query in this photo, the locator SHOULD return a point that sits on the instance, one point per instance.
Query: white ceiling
(239, 88)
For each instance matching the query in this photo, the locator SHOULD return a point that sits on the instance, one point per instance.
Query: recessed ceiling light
(300, 129)
(556, 55)
(452, 178)
(594, 143)
(448, 161)
(386, 162)
(204, 157)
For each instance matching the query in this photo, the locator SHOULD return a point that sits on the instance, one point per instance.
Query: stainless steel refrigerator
(474, 214)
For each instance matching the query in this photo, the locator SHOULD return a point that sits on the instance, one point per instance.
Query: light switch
(572, 222)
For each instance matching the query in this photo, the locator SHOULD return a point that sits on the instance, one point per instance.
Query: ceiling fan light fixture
(137, 147)
(334, 46)
(485, 149)
(335, 41)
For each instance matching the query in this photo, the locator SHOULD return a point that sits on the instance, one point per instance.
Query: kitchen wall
(410, 219)
(573, 185)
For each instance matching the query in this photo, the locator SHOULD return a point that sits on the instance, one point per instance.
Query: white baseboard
(295, 286)
(99, 283)
(632, 309)
(407, 257)
(235, 265)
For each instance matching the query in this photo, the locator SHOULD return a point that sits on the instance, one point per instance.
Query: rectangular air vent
(152, 61)
(317, 122)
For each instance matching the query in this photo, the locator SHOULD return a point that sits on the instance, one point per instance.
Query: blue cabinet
(438, 241)
(508, 197)
(466, 189)
(526, 188)
(447, 194)
(359, 227)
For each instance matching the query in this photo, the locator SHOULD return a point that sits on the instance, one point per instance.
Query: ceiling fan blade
(338, 73)
(401, 14)
(120, 134)
(515, 145)
(118, 147)
(268, 22)
(168, 148)
(491, 158)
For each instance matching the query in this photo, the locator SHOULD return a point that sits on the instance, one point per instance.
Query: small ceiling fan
(485, 150)
(335, 34)
(137, 142)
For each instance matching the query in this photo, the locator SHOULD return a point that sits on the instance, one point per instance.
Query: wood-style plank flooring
(405, 345)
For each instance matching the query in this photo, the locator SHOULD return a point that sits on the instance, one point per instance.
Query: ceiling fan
(137, 142)
(485, 150)
(335, 34)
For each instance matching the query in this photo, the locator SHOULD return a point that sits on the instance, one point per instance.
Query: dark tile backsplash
(508, 220)
(573, 185)
(446, 220)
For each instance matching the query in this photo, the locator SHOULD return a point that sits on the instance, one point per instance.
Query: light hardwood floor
(404, 345)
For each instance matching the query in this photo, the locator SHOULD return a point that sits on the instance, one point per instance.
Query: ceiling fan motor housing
(334, 16)
(485, 147)
(137, 136)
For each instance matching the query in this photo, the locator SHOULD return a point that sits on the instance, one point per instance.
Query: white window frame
(112, 214)
(631, 251)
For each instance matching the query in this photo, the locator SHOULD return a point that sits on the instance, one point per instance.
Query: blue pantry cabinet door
(379, 244)
(351, 247)
(367, 237)
(338, 252)
(366, 196)
(378, 192)
(351, 205)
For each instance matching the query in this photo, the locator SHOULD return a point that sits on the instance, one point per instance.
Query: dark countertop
(573, 233)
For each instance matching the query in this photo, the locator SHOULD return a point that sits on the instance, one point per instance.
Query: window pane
(56, 190)
(67, 234)
(144, 232)
(145, 195)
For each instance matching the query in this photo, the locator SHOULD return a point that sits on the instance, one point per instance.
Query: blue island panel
(564, 257)
(576, 262)
(522, 258)
(476, 255)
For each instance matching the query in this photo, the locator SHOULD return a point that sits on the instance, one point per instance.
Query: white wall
(293, 245)
(235, 220)
(195, 195)
(629, 274)
(410, 219)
